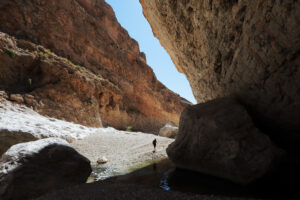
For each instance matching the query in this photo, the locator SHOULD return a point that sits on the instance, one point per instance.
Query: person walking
(154, 142)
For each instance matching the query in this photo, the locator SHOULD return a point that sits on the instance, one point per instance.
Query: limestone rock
(102, 160)
(88, 34)
(17, 98)
(168, 131)
(28, 170)
(3, 94)
(220, 139)
(9, 138)
(29, 99)
(248, 48)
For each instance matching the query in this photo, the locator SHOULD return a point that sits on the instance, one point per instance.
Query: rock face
(248, 48)
(168, 131)
(87, 33)
(220, 139)
(50, 84)
(28, 170)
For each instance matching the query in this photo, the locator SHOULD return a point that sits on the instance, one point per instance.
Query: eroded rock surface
(87, 33)
(220, 139)
(28, 170)
(248, 48)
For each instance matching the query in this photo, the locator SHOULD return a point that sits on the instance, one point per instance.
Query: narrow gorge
(80, 107)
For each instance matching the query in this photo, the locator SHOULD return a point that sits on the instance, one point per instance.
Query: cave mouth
(130, 16)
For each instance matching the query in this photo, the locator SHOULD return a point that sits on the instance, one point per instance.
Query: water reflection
(164, 175)
(164, 181)
(101, 173)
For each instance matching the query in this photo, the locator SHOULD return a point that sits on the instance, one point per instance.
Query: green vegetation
(100, 76)
(48, 51)
(46, 55)
(10, 52)
(129, 128)
(143, 164)
(70, 62)
(30, 81)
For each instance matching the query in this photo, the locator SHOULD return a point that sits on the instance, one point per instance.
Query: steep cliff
(86, 33)
(245, 48)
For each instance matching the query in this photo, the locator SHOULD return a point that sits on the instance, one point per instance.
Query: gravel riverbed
(124, 150)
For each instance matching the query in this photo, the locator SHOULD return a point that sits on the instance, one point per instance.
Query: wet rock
(17, 98)
(28, 170)
(219, 138)
(168, 131)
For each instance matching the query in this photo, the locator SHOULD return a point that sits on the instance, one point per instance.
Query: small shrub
(30, 81)
(118, 46)
(129, 128)
(78, 66)
(10, 52)
(48, 51)
(46, 55)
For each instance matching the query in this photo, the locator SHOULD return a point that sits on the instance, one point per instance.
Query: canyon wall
(248, 49)
(86, 33)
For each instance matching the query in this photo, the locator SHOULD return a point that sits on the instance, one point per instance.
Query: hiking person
(154, 145)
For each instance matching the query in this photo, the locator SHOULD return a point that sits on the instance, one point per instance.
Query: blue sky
(130, 15)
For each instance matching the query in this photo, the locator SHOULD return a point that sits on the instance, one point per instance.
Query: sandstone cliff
(246, 48)
(86, 33)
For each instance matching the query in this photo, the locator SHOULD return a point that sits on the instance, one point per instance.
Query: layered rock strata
(87, 33)
(247, 48)
(50, 84)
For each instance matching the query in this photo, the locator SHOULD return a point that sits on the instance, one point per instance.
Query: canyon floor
(125, 151)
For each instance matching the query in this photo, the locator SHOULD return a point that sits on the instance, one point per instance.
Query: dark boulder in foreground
(117, 191)
(220, 139)
(29, 170)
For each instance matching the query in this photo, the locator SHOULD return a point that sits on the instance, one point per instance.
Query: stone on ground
(168, 131)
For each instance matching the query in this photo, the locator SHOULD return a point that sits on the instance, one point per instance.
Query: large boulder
(28, 170)
(220, 139)
(168, 131)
